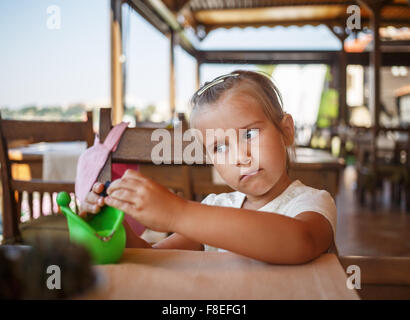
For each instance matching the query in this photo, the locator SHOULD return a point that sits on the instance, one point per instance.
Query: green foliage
(266, 68)
(57, 113)
(329, 108)
(147, 112)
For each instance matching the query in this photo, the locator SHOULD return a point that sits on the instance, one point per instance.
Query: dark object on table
(106, 185)
(25, 271)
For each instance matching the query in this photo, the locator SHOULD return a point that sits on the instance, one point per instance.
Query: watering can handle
(118, 222)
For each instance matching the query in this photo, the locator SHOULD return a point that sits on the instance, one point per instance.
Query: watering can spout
(63, 200)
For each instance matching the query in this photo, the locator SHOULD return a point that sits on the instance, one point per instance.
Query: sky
(71, 64)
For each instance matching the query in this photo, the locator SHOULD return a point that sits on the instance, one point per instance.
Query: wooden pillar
(344, 115)
(117, 85)
(10, 210)
(374, 88)
(198, 74)
(340, 68)
(375, 64)
(172, 73)
(374, 81)
(375, 59)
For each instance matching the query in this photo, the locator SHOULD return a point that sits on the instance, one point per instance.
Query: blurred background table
(55, 161)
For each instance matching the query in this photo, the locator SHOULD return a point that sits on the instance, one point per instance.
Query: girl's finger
(119, 204)
(98, 187)
(90, 208)
(100, 202)
(83, 214)
(124, 183)
(129, 173)
(124, 195)
(92, 197)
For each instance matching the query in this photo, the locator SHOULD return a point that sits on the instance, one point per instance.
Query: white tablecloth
(60, 160)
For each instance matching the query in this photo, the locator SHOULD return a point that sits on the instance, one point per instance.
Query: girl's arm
(260, 235)
(177, 241)
(265, 236)
(174, 241)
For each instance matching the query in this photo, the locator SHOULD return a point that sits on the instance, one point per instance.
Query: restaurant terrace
(351, 114)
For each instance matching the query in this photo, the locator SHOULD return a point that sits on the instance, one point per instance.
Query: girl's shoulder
(299, 196)
(298, 192)
(301, 191)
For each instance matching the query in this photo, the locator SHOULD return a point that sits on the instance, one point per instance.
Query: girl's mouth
(249, 174)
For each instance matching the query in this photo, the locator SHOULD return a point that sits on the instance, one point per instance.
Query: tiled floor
(362, 231)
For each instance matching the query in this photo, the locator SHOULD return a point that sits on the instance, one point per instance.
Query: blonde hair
(262, 89)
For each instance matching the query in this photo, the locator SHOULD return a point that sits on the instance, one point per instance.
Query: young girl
(268, 217)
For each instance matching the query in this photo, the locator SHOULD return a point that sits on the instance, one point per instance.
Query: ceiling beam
(298, 57)
(157, 14)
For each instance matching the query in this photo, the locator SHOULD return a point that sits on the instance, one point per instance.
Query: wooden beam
(148, 14)
(168, 17)
(268, 56)
(388, 59)
(401, 58)
(117, 86)
(158, 15)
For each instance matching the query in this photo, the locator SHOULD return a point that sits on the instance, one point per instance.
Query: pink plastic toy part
(92, 161)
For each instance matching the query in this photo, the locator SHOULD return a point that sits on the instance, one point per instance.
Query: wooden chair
(135, 147)
(33, 132)
(381, 277)
(192, 182)
(373, 170)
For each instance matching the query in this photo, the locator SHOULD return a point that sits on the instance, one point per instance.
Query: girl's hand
(147, 201)
(93, 202)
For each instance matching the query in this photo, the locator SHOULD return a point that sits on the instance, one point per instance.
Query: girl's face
(256, 161)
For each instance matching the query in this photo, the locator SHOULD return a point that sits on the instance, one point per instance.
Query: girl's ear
(288, 129)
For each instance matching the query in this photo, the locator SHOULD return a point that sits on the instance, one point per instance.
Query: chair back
(141, 145)
(14, 133)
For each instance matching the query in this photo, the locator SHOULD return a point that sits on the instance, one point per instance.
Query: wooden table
(318, 169)
(191, 275)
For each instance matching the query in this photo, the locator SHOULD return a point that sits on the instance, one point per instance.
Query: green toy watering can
(104, 235)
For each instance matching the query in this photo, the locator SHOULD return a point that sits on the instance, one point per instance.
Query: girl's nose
(243, 156)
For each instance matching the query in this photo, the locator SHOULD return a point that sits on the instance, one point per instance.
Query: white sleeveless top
(297, 198)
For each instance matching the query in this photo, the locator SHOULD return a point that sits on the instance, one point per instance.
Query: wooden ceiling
(207, 15)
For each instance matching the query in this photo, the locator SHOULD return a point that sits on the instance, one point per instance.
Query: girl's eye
(220, 148)
(251, 133)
